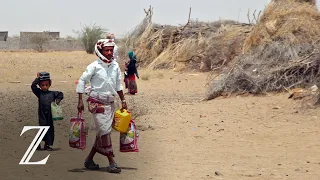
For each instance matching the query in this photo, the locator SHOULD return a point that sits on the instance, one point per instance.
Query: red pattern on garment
(103, 145)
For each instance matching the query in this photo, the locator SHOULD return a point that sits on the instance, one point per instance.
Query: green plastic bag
(56, 111)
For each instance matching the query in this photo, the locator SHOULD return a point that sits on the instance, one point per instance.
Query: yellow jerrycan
(121, 120)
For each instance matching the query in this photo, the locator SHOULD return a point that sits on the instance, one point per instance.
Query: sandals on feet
(91, 165)
(113, 169)
(48, 148)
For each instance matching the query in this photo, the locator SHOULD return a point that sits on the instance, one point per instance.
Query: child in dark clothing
(45, 98)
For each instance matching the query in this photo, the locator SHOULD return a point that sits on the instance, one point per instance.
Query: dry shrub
(187, 46)
(224, 46)
(287, 21)
(39, 41)
(182, 51)
(280, 53)
(152, 43)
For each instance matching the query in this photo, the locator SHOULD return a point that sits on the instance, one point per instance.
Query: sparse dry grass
(147, 74)
(145, 77)
(62, 63)
(135, 108)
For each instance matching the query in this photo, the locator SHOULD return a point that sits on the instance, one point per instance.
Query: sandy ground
(268, 137)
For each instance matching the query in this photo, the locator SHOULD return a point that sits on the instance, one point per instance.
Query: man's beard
(108, 61)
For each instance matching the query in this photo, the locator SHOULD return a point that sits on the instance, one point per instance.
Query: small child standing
(45, 98)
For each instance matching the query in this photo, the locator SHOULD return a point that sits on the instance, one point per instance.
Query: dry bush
(281, 52)
(89, 35)
(178, 52)
(286, 21)
(224, 46)
(313, 2)
(152, 43)
(39, 41)
(186, 46)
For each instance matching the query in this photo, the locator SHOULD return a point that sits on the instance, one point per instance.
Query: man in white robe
(104, 75)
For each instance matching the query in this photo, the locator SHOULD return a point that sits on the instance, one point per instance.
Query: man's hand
(58, 101)
(80, 104)
(124, 105)
(123, 101)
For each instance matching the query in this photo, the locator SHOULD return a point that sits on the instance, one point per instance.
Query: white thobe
(105, 80)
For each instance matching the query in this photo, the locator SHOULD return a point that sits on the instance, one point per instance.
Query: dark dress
(132, 68)
(44, 109)
(132, 73)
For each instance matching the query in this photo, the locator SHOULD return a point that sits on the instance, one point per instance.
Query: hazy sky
(118, 16)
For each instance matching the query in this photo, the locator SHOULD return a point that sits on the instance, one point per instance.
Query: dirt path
(180, 137)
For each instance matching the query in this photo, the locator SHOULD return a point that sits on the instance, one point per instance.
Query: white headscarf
(99, 46)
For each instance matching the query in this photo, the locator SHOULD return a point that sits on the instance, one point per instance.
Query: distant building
(25, 38)
(53, 35)
(3, 35)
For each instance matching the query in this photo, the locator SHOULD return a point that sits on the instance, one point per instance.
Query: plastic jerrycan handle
(124, 111)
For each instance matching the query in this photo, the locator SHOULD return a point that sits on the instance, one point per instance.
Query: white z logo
(27, 156)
